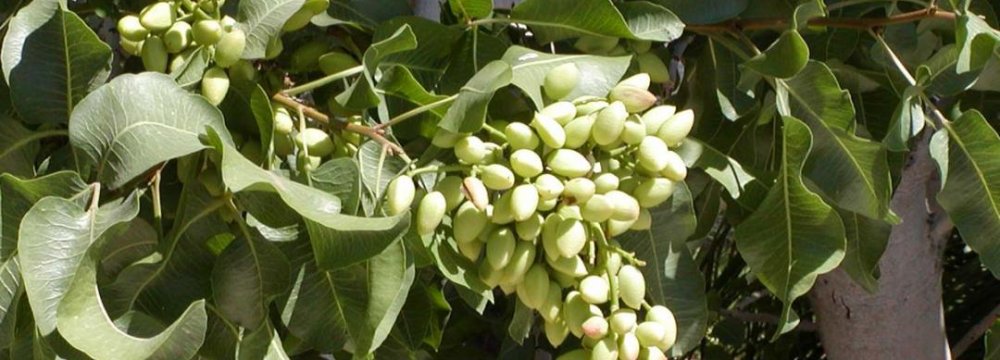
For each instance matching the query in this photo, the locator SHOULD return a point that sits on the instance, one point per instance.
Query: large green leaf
(471, 9)
(784, 58)
(18, 148)
(849, 170)
(468, 113)
(866, 241)
(473, 51)
(51, 59)
(398, 81)
(427, 61)
(262, 20)
(137, 121)
(672, 276)
(554, 20)
(793, 236)
(248, 274)
(18, 195)
(54, 238)
(976, 42)
(341, 178)
(361, 94)
(600, 74)
(971, 191)
(705, 11)
(723, 169)
(339, 240)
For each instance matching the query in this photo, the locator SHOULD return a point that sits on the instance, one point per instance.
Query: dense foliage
(282, 178)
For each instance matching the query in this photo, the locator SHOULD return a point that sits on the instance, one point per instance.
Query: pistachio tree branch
(375, 134)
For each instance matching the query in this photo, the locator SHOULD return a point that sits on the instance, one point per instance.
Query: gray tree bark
(905, 318)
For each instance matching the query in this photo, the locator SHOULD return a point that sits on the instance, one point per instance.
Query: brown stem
(374, 134)
(975, 332)
(846, 23)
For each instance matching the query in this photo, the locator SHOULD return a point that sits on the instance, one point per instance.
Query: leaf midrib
(980, 174)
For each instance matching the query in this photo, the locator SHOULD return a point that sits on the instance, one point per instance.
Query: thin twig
(834, 22)
(975, 332)
(374, 134)
(157, 207)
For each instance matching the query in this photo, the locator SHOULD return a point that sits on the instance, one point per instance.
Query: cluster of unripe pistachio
(537, 213)
(166, 34)
(309, 144)
(648, 62)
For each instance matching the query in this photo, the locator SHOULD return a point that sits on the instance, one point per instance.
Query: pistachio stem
(414, 112)
(438, 168)
(495, 132)
(338, 123)
(312, 85)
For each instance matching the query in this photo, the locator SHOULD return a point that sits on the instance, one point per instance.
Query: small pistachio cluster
(166, 34)
(310, 145)
(648, 61)
(537, 214)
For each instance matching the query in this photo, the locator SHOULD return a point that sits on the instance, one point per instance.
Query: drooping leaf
(971, 189)
(18, 195)
(976, 41)
(51, 60)
(361, 94)
(115, 124)
(54, 238)
(672, 276)
(807, 10)
(520, 324)
(850, 170)
(364, 14)
(262, 20)
(733, 101)
(866, 241)
(134, 243)
(793, 236)
(723, 169)
(907, 120)
(468, 113)
(784, 58)
(554, 20)
(248, 274)
(599, 74)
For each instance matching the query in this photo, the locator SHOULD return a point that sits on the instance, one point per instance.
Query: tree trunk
(905, 318)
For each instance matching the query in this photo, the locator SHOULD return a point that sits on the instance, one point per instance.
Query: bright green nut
(618, 227)
(573, 266)
(675, 170)
(580, 189)
(631, 286)
(561, 111)
(595, 44)
(594, 289)
(650, 333)
(131, 47)
(640, 46)
(644, 222)
(470, 150)
(676, 128)
(623, 321)
(614, 259)
(502, 212)
(654, 66)
(154, 54)
(609, 124)
(605, 182)
(628, 346)
(490, 276)
(215, 86)
(595, 327)
(598, 209)
(549, 187)
(476, 191)
(551, 133)
(497, 177)
(283, 145)
(430, 212)
(568, 163)
(469, 223)
(316, 6)
(634, 131)
(578, 131)
(555, 332)
(207, 32)
(656, 116)
(520, 262)
(298, 20)
(575, 311)
(578, 354)
(651, 353)
(230, 48)
(130, 28)
(626, 206)
(316, 141)
(535, 287)
(228, 23)
(157, 17)
(283, 123)
(640, 80)
(530, 228)
(471, 250)
(653, 192)
(605, 349)
(451, 188)
(653, 154)
(550, 236)
(336, 61)
(520, 136)
(635, 99)
(587, 105)
(399, 195)
(242, 71)
(526, 163)
(177, 37)
(571, 237)
(307, 163)
(252, 151)
(560, 81)
(548, 204)
(570, 212)
(524, 202)
(664, 317)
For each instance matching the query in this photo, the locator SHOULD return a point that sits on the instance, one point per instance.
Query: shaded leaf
(18, 148)
(18, 195)
(976, 42)
(361, 94)
(520, 324)
(550, 20)
(340, 177)
(194, 68)
(529, 69)
(733, 101)
(866, 241)
(262, 20)
(471, 9)
(377, 170)
(723, 169)
(429, 60)
(468, 112)
(248, 274)
(907, 120)
(706, 11)
(365, 14)
(261, 343)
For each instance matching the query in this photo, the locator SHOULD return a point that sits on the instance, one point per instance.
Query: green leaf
(866, 241)
(723, 169)
(672, 276)
(377, 170)
(51, 60)
(468, 113)
(793, 236)
(262, 20)
(12, 286)
(248, 274)
(705, 11)
(361, 94)
(907, 120)
(472, 52)
(976, 42)
(991, 342)
(18, 195)
(427, 61)
(471, 9)
(551, 22)
(194, 68)
(457, 268)
(342, 178)
(784, 58)
(399, 82)
(364, 14)
(260, 106)
(849, 170)
(137, 121)
(520, 324)
(19, 147)
(733, 101)
(66, 225)
(971, 192)
(530, 67)
(807, 10)
(940, 77)
(261, 343)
